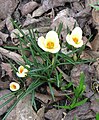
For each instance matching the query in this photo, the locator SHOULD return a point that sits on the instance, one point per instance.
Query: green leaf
(97, 116)
(95, 6)
(60, 29)
(81, 102)
(51, 89)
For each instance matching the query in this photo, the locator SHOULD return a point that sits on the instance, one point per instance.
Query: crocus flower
(22, 71)
(75, 38)
(50, 43)
(14, 86)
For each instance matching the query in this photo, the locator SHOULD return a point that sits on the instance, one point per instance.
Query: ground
(43, 16)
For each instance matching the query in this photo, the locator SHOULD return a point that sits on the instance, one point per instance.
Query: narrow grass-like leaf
(97, 116)
(81, 102)
(51, 89)
(9, 100)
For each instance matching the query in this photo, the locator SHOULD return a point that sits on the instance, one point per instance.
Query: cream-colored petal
(80, 44)
(16, 85)
(69, 39)
(20, 68)
(41, 43)
(55, 50)
(77, 32)
(27, 66)
(52, 35)
(25, 70)
(21, 74)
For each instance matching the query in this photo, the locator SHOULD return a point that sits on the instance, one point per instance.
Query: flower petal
(21, 69)
(80, 44)
(77, 32)
(21, 74)
(55, 50)
(53, 36)
(69, 40)
(41, 43)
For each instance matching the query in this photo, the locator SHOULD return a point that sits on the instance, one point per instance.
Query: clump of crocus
(50, 43)
(75, 38)
(14, 86)
(22, 71)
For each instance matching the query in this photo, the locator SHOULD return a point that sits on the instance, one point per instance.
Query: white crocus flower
(22, 71)
(50, 43)
(75, 38)
(14, 86)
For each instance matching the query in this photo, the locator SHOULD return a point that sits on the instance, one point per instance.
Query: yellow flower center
(75, 39)
(13, 86)
(50, 45)
(21, 69)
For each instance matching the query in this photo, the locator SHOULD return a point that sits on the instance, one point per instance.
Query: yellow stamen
(21, 69)
(13, 87)
(75, 40)
(50, 45)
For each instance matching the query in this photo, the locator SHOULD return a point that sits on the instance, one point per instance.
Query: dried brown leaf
(95, 103)
(54, 114)
(95, 43)
(40, 112)
(67, 22)
(7, 7)
(56, 92)
(2, 24)
(16, 32)
(86, 42)
(9, 24)
(23, 111)
(7, 68)
(81, 113)
(29, 7)
(95, 15)
(85, 56)
(3, 36)
(12, 55)
(89, 75)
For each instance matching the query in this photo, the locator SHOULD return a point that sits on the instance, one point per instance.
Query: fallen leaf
(95, 43)
(95, 15)
(82, 112)
(2, 24)
(40, 112)
(16, 32)
(89, 75)
(44, 98)
(37, 22)
(86, 42)
(12, 55)
(1, 42)
(7, 68)
(7, 7)
(54, 114)
(85, 56)
(67, 22)
(56, 92)
(9, 24)
(29, 7)
(23, 111)
(49, 4)
(95, 103)
(96, 66)
(3, 36)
